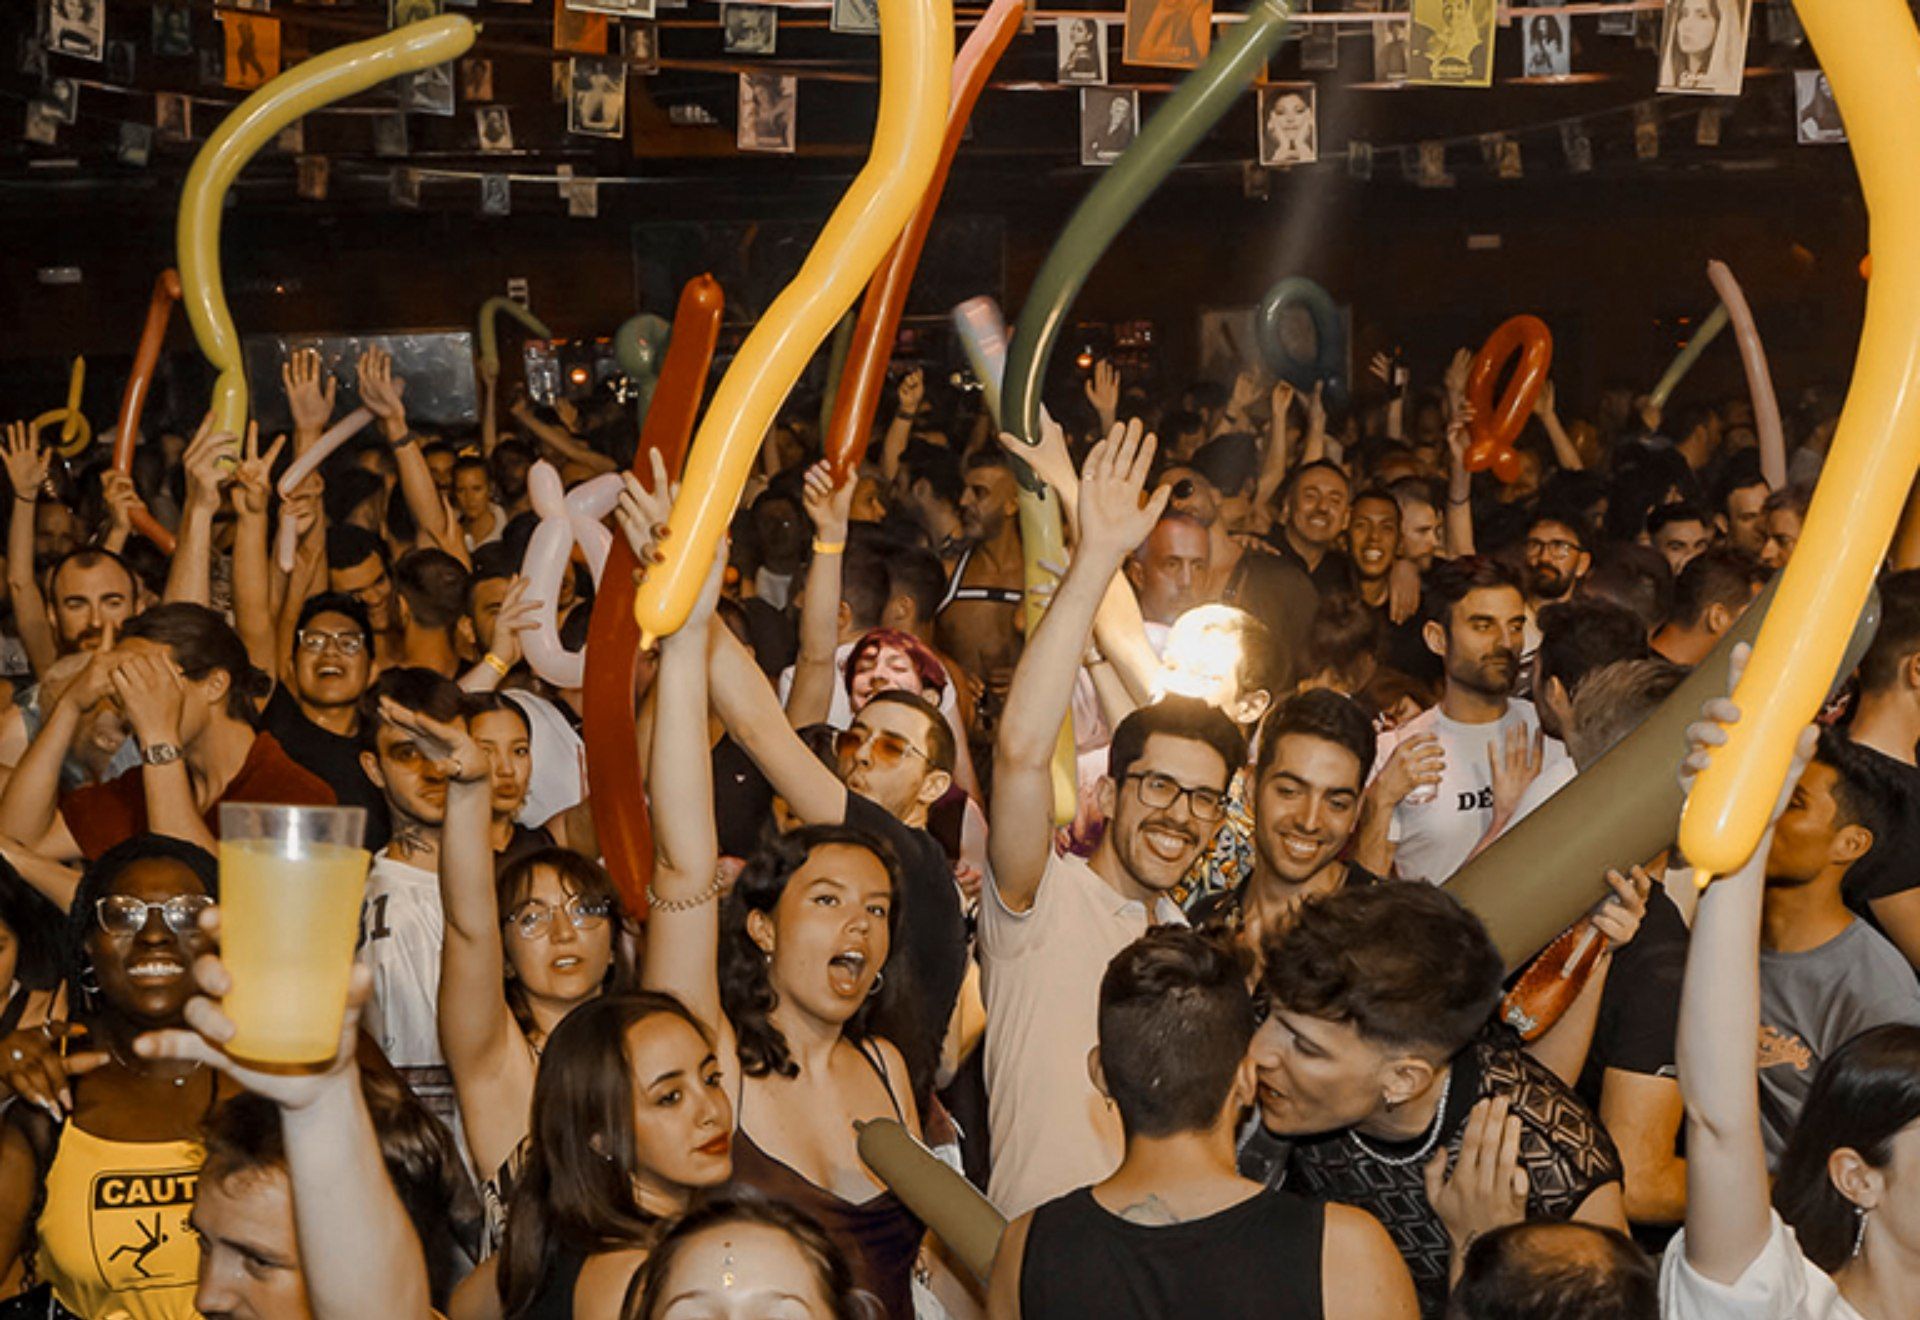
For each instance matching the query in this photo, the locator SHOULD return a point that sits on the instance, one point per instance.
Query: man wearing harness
(979, 622)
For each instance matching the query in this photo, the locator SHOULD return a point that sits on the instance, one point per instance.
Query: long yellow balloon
(76, 386)
(338, 74)
(916, 64)
(1870, 51)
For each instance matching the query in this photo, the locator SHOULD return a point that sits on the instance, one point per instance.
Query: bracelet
(701, 899)
(828, 547)
(496, 664)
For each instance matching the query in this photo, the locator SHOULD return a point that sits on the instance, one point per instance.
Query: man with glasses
(1556, 560)
(315, 707)
(894, 762)
(1049, 924)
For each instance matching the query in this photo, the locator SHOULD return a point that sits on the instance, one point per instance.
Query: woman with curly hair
(786, 972)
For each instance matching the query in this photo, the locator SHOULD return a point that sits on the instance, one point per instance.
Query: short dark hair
(335, 602)
(495, 559)
(917, 574)
(1679, 511)
(1635, 577)
(1344, 629)
(348, 545)
(1318, 465)
(942, 753)
(936, 465)
(1597, 1274)
(434, 585)
(1563, 515)
(1318, 713)
(476, 704)
(1865, 792)
(1175, 1023)
(863, 586)
(1742, 471)
(1898, 636)
(1187, 718)
(414, 688)
(475, 462)
(36, 926)
(1378, 493)
(89, 556)
(201, 641)
(832, 1276)
(1721, 576)
(986, 455)
(1231, 462)
(1402, 963)
(1450, 581)
(1580, 636)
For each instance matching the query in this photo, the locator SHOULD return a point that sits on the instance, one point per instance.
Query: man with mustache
(1491, 741)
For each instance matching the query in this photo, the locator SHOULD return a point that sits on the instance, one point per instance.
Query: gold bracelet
(496, 664)
(701, 899)
(828, 547)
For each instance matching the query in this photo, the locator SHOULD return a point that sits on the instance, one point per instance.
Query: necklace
(181, 1080)
(1426, 1147)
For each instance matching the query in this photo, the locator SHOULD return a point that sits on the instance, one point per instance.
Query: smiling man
(1373, 537)
(1314, 509)
(1049, 923)
(315, 707)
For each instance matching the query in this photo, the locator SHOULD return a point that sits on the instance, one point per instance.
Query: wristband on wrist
(495, 663)
(828, 547)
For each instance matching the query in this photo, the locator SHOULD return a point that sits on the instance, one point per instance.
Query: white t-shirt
(1780, 1284)
(402, 930)
(1433, 838)
(840, 711)
(1040, 971)
(556, 755)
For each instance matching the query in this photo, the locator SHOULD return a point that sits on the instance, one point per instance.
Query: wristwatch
(160, 754)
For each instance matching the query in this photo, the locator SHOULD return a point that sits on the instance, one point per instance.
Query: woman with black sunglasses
(521, 953)
(97, 1176)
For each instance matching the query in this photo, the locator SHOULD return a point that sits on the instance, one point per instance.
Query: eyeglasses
(316, 643)
(889, 749)
(1161, 791)
(1552, 549)
(532, 918)
(123, 914)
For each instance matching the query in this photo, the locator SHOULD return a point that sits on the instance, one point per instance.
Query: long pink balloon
(330, 439)
(1753, 356)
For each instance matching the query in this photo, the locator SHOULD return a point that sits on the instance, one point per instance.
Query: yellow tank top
(114, 1241)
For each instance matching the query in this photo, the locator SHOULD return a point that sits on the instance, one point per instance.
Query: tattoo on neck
(1152, 1212)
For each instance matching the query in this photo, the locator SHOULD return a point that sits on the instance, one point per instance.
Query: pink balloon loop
(1753, 357)
(566, 519)
(297, 471)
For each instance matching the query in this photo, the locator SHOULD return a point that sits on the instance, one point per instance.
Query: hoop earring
(879, 979)
(1860, 1214)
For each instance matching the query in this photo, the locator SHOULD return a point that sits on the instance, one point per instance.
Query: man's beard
(1476, 677)
(1548, 583)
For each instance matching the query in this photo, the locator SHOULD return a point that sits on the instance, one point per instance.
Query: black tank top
(1258, 1258)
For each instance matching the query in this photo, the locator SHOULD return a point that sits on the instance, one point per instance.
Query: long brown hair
(576, 1192)
(580, 876)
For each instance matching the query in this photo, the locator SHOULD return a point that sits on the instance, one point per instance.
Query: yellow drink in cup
(291, 881)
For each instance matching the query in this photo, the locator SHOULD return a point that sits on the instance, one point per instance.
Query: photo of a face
(1390, 50)
(861, 17)
(1703, 46)
(1109, 121)
(1548, 52)
(77, 28)
(749, 29)
(1288, 133)
(43, 124)
(597, 96)
(1452, 43)
(494, 128)
(62, 96)
(172, 28)
(476, 80)
(496, 195)
(1816, 116)
(172, 117)
(1081, 51)
(1168, 34)
(768, 102)
(430, 91)
(643, 47)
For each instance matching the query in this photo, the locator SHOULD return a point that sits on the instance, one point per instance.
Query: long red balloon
(166, 292)
(614, 785)
(872, 350)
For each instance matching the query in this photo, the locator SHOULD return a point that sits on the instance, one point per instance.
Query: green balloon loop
(1189, 114)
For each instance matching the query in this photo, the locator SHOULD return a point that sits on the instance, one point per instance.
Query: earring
(879, 979)
(1860, 1214)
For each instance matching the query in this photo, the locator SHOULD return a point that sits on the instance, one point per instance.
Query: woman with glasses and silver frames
(98, 1168)
(522, 951)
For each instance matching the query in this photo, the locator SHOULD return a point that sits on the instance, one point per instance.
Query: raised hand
(1103, 392)
(253, 478)
(116, 487)
(642, 513)
(1113, 519)
(829, 507)
(1317, 409)
(310, 391)
(1488, 1187)
(518, 614)
(209, 460)
(26, 462)
(34, 1066)
(1619, 914)
(382, 392)
(1416, 762)
(152, 691)
(450, 747)
(1543, 402)
(1049, 458)
(1246, 393)
(1458, 371)
(912, 394)
(1515, 764)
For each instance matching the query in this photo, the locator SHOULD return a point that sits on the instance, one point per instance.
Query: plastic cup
(291, 881)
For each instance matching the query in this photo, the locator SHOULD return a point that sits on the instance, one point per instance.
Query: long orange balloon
(614, 785)
(166, 292)
(866, 368)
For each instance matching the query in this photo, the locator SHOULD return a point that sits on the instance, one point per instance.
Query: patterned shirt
(1566, 1152)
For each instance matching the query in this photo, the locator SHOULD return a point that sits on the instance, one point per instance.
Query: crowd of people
(1188, 999)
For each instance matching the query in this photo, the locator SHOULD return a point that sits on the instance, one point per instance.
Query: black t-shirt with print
(331, 757)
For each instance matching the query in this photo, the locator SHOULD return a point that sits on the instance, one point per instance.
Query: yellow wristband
(496, 664)
(828, 547)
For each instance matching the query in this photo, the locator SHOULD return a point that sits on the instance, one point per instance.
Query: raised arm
(252, 563)
(358, 1249)
(814, 673)
(562, 441)
(1103, 392)
(912, 393)
(30, 802)
(1112, 521)
(152, 691)
(384, 395)
(1274, 461)
(1728, 1220)
(1564, 451)
(683, 919)
(310, 395)
(489, 405)
(209, 458)
(309, 575)
(27, 473)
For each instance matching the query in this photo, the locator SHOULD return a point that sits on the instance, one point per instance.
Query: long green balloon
(1542, 875)
(1175, 129)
